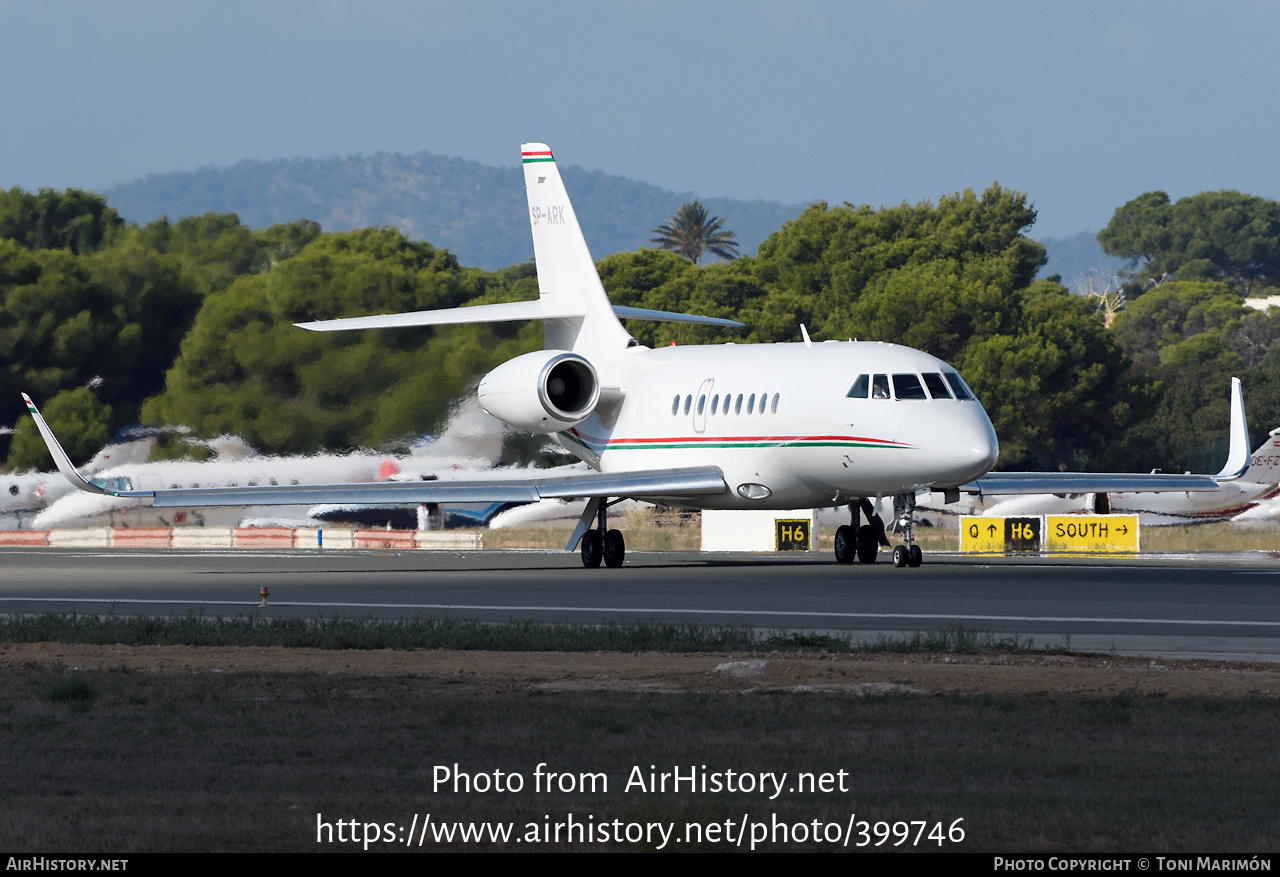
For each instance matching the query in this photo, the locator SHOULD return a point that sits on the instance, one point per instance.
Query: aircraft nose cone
(974, 447)
(963, 446)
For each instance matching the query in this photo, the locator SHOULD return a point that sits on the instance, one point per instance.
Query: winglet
(65, 466)
(1238, 455)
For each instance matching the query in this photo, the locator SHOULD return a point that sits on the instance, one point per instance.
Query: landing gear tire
(915, 557)
(901, 556)
(615, 547)
(867, 547)
(592, 549)
(845, 550)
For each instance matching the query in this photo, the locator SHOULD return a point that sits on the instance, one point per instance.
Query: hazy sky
(1081, 105)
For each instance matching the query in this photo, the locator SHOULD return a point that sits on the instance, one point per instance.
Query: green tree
(246, 369)
(1222, 235)
(691, 233)
(73, 220)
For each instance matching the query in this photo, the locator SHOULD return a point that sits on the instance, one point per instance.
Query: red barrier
(384, 539)
(263, 537)
(24, 537)
(141, 537)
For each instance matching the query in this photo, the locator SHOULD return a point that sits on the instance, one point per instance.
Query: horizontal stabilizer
(670, 317)
(497, 313)
(542, 309)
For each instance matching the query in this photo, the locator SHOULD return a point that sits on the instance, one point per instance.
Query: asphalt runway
(1218, 605)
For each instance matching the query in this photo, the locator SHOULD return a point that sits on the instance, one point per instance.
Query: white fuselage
(779, 416)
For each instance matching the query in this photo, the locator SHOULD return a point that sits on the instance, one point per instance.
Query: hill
(476, 211)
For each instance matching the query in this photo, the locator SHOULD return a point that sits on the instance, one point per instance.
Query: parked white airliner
(730, 426)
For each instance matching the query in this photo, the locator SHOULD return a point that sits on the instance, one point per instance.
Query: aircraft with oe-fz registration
(728, 426)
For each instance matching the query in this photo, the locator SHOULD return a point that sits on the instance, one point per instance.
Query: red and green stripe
(599, 445)
(531, 157)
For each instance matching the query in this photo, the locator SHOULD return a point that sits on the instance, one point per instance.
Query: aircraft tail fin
(1238, 454)
(572, 303)
(567, 277)
(1264, 463)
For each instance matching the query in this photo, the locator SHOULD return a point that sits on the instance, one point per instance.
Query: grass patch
(468, 634)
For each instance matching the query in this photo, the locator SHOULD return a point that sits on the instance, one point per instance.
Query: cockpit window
(859, 388)
(962, 389)
(908, 387)
(937, 386)
(880, 387)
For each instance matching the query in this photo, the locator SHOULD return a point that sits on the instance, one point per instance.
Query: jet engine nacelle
(544, 391)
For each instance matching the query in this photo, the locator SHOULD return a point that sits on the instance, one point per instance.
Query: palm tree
(691, 233)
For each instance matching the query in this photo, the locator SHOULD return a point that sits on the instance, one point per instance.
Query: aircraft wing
(1001, 483)
(705, 481)
(1010, 483)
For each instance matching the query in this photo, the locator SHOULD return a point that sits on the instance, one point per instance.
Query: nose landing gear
(904, 512)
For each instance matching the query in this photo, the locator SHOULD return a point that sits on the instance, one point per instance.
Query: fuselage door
(700, 403)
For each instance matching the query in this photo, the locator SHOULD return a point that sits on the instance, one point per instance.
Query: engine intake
(544, 391)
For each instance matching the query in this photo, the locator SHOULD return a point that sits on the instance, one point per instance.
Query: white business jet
(730, 426)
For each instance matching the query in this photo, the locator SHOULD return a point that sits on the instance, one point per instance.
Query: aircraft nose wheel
(614, 549)
(592, 549)
(915, 556)
(901, 556)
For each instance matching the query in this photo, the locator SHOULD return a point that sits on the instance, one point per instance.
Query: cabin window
(860, 388)
(880, 387)
(908, 387)
(715, 400)
(937, 386)
(702, 404)
(764, 399)
(775, 403)
(737, 406)
(751, 403)
(957, 383)
(675, 406)
(688, 400)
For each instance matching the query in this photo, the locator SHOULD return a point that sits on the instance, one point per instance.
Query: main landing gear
(601, 543)
(864, 541)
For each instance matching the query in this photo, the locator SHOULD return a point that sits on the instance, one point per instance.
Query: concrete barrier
(245, 537)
